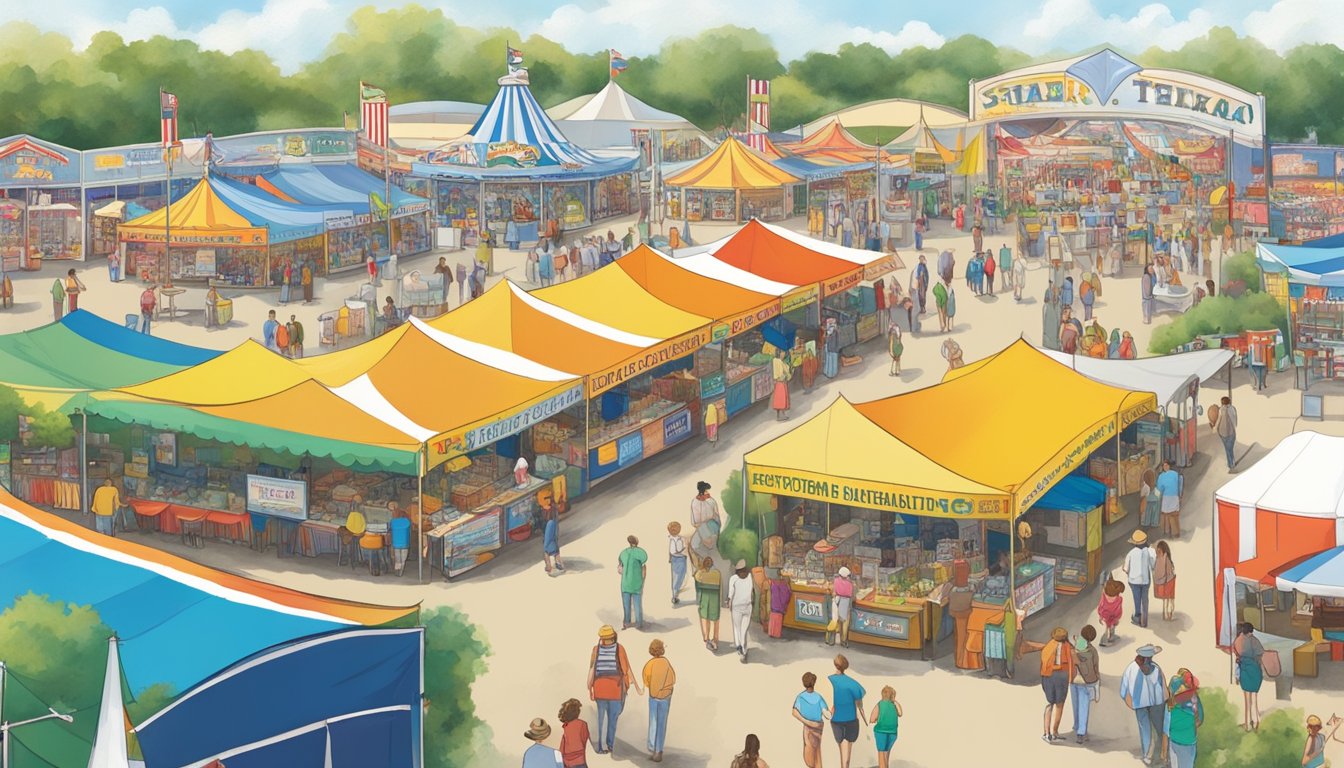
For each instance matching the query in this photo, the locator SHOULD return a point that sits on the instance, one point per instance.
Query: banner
(277, 498)
(842, 283)
(746, 321)
(666, 352)
(1106, 85)
(243, 237)
(798, 298)
(887, 497)
(451, 444)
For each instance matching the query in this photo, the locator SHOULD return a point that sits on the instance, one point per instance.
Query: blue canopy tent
(1075, 493)
(350, 178)
(1303, 264)
(119, 338)
(286, 221)
(367, 716)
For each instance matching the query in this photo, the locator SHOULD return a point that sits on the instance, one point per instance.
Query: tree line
(106, 94)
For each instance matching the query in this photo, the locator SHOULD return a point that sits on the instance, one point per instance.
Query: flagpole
(387, 186)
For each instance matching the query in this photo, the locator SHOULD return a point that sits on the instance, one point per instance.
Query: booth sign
(798, 298)
(452, 444)
(647, 360)
(882, 496)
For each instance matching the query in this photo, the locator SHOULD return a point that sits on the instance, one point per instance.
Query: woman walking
(886, 718)
(1110, 608)
(708, 586)
(705, 518)
(895, 348)
(842, 596)
(1185, 713)
(574, 735)
(1164, 580)
(781, 372)
(1250, 674)
(676, 557)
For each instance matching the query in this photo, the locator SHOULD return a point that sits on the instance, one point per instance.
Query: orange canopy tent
(732, 166)
(831, 144)
(786, 257)
(673, 284)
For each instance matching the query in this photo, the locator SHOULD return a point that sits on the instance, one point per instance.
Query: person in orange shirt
(659, 679)
(1057, 669)
(609, 678)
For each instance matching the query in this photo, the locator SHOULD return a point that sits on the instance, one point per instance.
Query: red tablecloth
(219, 524)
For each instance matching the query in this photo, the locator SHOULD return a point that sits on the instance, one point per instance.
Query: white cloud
(292, 31)
(1292, 22)
(1059, 22)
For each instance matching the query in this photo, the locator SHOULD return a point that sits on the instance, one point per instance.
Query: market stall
(1310, 280)
(1279, 526)
(882, 489)
(731, 184)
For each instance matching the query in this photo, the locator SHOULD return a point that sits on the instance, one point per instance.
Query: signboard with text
(277, 497)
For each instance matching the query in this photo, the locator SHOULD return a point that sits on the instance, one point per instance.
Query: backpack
(281, 336)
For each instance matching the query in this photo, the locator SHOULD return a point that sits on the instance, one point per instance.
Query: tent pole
(420, 510)
(587, 436)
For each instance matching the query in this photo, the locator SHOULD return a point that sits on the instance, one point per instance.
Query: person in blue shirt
(846, 709)
(810, 709)
(1169, 485)
(400, 530)
(268, 330)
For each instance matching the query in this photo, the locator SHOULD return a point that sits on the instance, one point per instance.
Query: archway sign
(1105, 85)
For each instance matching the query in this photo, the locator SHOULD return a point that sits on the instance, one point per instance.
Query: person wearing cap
(632, 565)
(1139, 564)
(1184, 714)
(1144, 690)
(539, 755)
(609, 678)
(741, 599)
(842, 599)
(1057, 668)
(659, 679)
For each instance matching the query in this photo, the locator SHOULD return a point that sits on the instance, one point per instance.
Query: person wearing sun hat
(1139, 564)
(539, 755)
(1144, 690)
(1184, 715)
(609, 678)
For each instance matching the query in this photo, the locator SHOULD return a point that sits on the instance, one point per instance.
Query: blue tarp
(176, 629)
(119, 338)
(351, 178)
(805, 168)
(1074, 493)
(286, 221)
(1311, 265)
(779, 332)
(360, 689)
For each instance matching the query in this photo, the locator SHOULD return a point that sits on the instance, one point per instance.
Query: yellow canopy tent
(972, 161)
(200, 218)
(246, 372)
(1016, 420)
(842, 456)
(732, 166)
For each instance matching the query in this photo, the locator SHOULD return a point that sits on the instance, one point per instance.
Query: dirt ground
(540, 628)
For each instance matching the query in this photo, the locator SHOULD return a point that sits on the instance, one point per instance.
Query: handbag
(1270, 662)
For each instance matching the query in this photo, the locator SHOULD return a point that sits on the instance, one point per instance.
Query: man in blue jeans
(1226, 427)
(659, 680)
(632, 565)
(1139, 567)
(609, 678)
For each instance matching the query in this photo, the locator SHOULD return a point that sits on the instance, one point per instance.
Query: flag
(756, 141)
(758, 106)
(373, 113)
(514, 58)
(617, 62)
(378, 207)
(167, 118)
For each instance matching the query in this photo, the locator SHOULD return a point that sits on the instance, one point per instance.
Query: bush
(730, 499)
(455, 655)
(51, 429)
(1222, 743)
(740, 544)
(11, 407)
(1242, 268)
(1220, 315)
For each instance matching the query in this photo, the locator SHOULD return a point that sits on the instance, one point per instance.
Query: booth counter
(893, 622)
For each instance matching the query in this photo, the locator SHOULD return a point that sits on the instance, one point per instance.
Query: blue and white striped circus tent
(514, 137)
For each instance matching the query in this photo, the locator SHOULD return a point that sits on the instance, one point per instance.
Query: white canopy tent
(1167, 376)
(1302, 476)
(606, 118)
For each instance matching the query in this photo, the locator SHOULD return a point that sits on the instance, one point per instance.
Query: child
(885, 718)
(1110, 608)
(574, 737)
(810, 709)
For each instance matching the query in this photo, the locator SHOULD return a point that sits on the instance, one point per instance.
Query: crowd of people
(1063, 331)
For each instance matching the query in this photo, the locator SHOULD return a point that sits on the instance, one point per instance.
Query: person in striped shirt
(1144, 690)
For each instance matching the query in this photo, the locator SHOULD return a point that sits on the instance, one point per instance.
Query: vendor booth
(515, 173)
(1172, 432)
(1279, 524)
(731, 184)
(1310, 281)
(900, 492)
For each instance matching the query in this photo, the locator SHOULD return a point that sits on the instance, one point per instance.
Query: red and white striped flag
(168, 118)
(758, 106)
(756, 141)
(373, 113)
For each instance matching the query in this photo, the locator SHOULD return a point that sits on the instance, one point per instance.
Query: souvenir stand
(878, 487)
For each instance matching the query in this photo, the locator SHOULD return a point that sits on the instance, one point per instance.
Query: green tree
(1220, 315)
(704, 78)
(455, 654)
(1223, 744)
(11, 407)
(51, 429)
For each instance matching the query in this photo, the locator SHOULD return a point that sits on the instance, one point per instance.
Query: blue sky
(294, 31)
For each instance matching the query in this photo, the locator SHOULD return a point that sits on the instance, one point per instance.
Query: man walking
(106, 502)
(1019, 275)
(1144, 690)
(1084, 684)
(990, 267)
(295, 329)
(1226, 427)
(632, 565)
(847, 700)
(609, 678)
(147, 303)
(809, 708)
(659, 679)
(1169, 486)
(940, 299)
(741, 599)
(269, 331)
(1006, 266)
(1139, 568)
(922, 283)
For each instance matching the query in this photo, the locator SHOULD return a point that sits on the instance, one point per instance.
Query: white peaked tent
(109, 742)
(606, 118)
(1169, 376)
